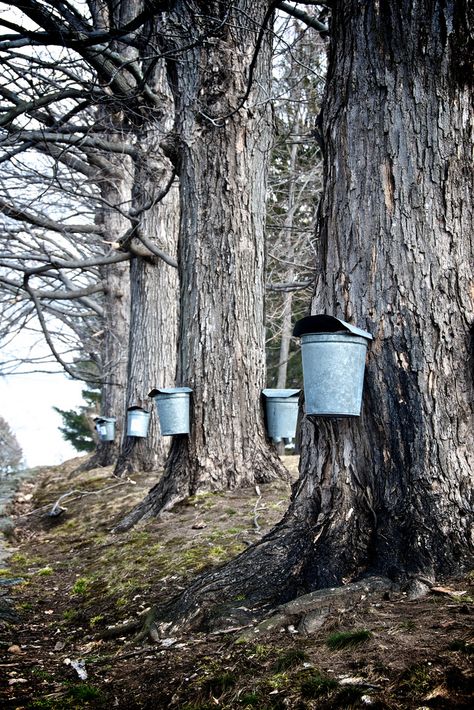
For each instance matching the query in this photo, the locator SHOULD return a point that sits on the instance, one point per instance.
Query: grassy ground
(79, 579)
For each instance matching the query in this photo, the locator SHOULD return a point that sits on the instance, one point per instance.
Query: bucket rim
(280, 393)
(334, 337)
(169, 390)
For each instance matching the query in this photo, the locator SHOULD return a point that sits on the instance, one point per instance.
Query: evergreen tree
(78, 425)
(11, 454)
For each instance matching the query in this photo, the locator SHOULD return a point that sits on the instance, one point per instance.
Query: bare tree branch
(86, 141)
(304, 16)
(77, 375)
(41, 221)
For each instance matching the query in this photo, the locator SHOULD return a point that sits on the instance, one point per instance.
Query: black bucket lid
(323, 323)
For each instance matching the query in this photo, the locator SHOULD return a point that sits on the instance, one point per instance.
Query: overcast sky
(26, 403)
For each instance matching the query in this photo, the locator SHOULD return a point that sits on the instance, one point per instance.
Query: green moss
(155, 549)
(70, 615)
(203, 500)
(26, 606)
(347, 639)
(41, 673)
(139, 539)
(70, 524)
(278, 681)
(44, 703)
(45, 571)
(81, 586)
(121, 602)
(95, 620)
(276, 506)
(408, 625)
(18, 559)
(261, 651)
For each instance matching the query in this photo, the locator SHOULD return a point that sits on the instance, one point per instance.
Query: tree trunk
(390, 492)
(222, 160)
(287, 298)
(115, 194)
(154, 303)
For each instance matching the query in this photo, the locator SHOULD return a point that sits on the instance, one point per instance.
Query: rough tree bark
(153, 283)
(222, 159)
(287, 298)
(154, 303)
(115, 194)
(388, 493)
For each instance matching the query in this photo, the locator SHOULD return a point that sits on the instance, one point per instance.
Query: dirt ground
(70, 579)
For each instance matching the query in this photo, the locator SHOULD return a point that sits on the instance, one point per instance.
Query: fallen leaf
(446, 590)
(438, 692)
(14, 649)
(168, 642)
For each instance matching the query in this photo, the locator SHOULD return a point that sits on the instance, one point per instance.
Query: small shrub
(290, 659)
(416, 680)
(462, 646)
(315, 685)
(347, 639)
(84, 691)
(219, 684)
(347, 696)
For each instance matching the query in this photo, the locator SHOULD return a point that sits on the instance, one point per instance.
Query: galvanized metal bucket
(333, 365)
(172, 404)
(138, 420)
(105, 428)
(281, 410)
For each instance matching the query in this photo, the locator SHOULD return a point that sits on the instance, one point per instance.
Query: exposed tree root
(236, 595)
(306, 613)
(309, 612)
